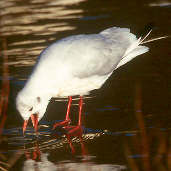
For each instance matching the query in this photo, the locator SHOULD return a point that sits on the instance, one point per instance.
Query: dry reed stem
(5, 88)
(131, 162)
(169, 156)
(141, 124)
(162, 149)
(4, 99)
(146, 141)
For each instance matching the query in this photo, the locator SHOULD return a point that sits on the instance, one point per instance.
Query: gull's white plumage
(76, 65)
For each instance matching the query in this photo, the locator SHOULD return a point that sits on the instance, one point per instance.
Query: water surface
(126, 122)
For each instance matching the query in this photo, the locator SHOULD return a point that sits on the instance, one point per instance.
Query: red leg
(68, 108)
(67, 120)
(80, 110)
(77, 130)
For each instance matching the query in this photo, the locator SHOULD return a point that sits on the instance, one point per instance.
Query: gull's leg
(67, 120)
(77, 130)
(80, 111)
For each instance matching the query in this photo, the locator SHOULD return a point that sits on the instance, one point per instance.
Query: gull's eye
(38, 99)
(31, 109)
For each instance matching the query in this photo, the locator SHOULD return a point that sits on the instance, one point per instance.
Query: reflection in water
(42, 165)
(26, 18)
(40, 19)
(28, 27)
(37, 155)
(160, 3)
(46, 165)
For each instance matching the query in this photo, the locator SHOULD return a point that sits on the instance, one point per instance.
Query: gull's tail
(136, 49)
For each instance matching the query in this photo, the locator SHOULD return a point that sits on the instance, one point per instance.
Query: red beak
(25, 126)
(34, 119)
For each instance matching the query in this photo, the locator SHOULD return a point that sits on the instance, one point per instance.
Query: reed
(152, 146)
(5, 89)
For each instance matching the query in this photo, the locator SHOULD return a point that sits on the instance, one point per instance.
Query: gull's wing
(86, 55)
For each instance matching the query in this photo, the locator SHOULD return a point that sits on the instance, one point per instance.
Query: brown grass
(5, 88)
(153, 146)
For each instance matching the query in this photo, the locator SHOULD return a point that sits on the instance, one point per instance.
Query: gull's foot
(61, 124)
(74, 130)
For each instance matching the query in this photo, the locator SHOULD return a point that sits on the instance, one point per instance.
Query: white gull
(75, 65)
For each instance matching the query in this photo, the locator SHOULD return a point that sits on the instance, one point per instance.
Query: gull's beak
(25, 126)
(34, 119)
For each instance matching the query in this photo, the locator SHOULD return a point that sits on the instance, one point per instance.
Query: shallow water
(126, 122)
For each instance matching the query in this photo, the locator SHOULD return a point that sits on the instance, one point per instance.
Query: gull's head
(33, 107)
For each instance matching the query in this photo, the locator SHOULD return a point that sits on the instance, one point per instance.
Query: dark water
(126, 123)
